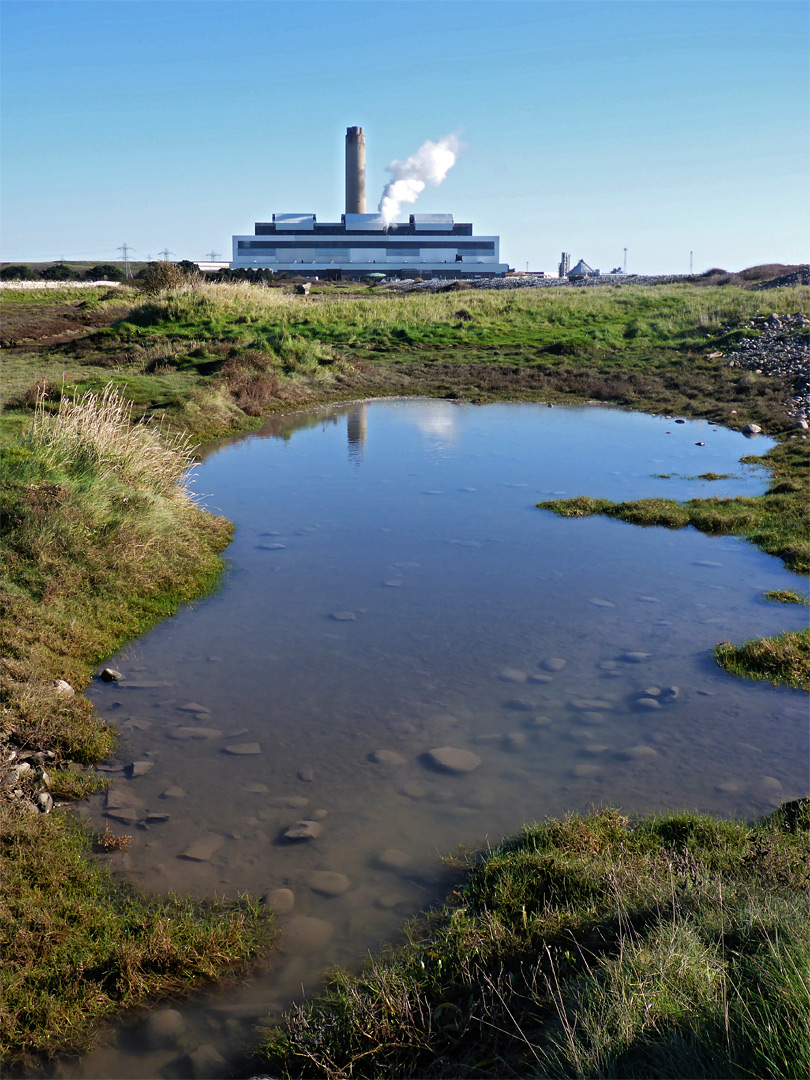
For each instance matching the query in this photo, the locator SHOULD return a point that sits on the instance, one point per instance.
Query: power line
(125, 250)
(212, 255)
(164, 255)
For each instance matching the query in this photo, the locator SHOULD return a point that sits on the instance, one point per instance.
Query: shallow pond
(392, 590)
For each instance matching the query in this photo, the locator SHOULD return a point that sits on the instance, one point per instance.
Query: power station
(361, 245)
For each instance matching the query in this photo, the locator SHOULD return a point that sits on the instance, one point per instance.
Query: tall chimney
(355, 171)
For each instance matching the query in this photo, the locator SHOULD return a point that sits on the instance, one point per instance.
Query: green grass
(211, 358)
(776, 522)
(566, 322)
(783, 660)
(100, 543)
(78, 945)
(786, 596)
(671, 946)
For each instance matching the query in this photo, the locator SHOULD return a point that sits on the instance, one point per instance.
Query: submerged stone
(386, 757)
(453, 760)
(162, 1028)
(202, 849)
(512, 675)
(138, 768)
(394, 859)
(244, 748)
(327, 882)
(283, 802)
(282, 901)
(302, 831)
(553, 663)
(194, 734)
(520, 705)
(638, 753)
(206, 1061)
(585, 769)
(305, 934)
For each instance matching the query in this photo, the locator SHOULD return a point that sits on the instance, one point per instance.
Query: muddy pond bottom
(406, 656)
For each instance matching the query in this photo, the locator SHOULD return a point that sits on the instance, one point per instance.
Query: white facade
(428, 245)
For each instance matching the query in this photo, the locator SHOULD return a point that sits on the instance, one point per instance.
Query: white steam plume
(429, 165)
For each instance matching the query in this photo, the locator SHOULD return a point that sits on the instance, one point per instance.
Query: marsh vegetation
(101, 542)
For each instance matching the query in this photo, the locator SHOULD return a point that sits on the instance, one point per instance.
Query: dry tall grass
(95, 432)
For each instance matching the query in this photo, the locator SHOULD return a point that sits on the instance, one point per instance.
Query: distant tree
(58, 272)
(104, 272)
(17, 273)
(188, 267)
(159, 276)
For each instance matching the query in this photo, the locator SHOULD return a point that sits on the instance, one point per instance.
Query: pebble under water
(406, 656)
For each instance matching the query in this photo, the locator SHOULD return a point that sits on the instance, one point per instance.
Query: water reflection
(373, 616)
(356, 431)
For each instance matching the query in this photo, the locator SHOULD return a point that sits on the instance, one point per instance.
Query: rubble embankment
(779, 347)
(796, 277)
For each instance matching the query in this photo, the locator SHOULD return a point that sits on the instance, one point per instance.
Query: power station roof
(364, 222)
(432, 222)
(295, 222)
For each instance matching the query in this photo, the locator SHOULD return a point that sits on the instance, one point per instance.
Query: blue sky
(657, 126)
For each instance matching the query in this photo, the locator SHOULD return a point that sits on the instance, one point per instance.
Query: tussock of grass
(783, 660)
(673, 946)
(95, 435)
(786, 596)
(78, 945)
(101, 540)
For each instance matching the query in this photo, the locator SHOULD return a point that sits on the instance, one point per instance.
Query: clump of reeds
(95, 433)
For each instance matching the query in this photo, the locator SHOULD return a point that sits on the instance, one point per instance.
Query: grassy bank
(212, 358)
(592, 946)
(101, 541)
(79, 946)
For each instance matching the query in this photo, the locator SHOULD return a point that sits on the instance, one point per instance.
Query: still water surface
(392, 587)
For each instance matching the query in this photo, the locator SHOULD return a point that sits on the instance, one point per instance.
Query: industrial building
(360, 245)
